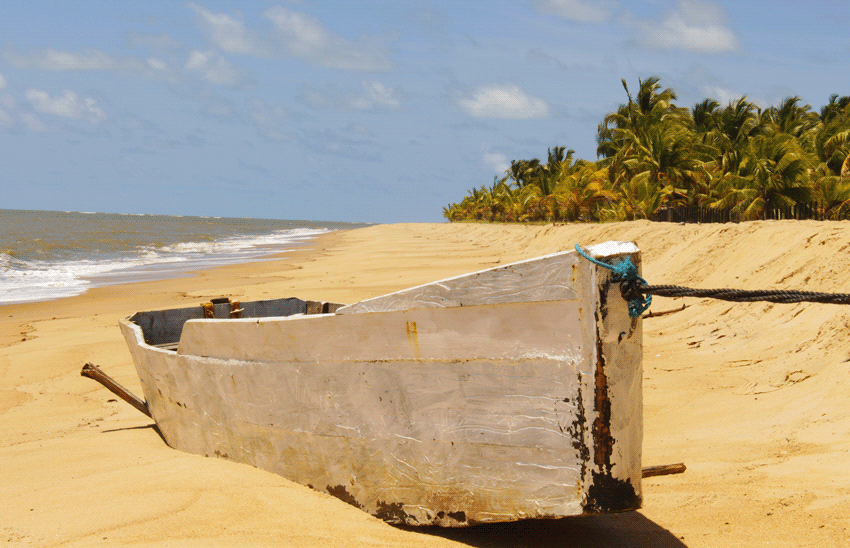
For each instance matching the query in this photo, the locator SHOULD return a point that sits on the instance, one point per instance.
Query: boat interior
(162, 328)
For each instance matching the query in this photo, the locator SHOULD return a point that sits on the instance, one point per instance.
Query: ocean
(47, 255)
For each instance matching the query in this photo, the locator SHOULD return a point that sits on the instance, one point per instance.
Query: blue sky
(359, 111)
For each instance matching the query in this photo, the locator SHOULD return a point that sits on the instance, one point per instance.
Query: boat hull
(496, 410)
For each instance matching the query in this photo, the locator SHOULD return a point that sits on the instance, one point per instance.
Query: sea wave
(239, 243)
(32, 280)
(28, 281)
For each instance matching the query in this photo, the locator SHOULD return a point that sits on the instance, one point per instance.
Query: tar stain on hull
(606, 493)
(394, 513)
(576, 431)
(342, 494)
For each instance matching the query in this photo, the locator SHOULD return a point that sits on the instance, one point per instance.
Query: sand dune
(752, 397)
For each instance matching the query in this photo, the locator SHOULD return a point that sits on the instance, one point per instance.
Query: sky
(365, 111)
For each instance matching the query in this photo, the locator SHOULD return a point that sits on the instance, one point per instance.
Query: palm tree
(647, 108)
(831, 142)
(649, 137)
(837, 107)
(524, 172)
(737, 123)
(705, 116)
(638, 198)
(832, 192)
(772, 173)
(791, 118)
(654, 153)
(582, 193)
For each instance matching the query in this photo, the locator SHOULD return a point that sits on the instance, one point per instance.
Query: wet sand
(752, 397)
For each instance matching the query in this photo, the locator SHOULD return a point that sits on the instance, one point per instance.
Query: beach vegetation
(653, 155)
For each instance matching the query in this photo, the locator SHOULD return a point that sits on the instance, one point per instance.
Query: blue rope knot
(625, 271)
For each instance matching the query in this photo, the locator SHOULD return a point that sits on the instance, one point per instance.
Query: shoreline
(74, 263)
(764, 444)
(152, 286)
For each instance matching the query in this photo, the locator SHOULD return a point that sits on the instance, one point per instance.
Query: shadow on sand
(154, 427)
(627, 530)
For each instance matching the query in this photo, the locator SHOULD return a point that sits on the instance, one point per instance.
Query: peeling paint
(459, 517)
(342, 494)
(394, 513)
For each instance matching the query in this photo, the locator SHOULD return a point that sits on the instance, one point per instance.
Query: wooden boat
(500, 395)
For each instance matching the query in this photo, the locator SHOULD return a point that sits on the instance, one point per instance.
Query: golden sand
(754, 398)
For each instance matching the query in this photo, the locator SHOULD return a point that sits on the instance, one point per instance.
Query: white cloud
(90, 60)
(32, 122)
(5, 119)
(156, 41)
(505, 101)
(377, 95)
(7, 101)
(156, 64)
(726, 96)
(723, 95)
(381, 95)
(303, 37)
(576, 10)
(51, 59)
(67, 105)
(702, 13)
(214, 68)
(229, 34)
(496, 161)
(334, 98)
(265, 115)
(2, 81)
(357, 129)
(695, 25)
(269, 119)
(320, 99)
(221, 110)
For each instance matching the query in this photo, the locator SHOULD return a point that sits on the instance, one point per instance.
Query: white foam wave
(29, 281)
(240, 243)
(25, 281)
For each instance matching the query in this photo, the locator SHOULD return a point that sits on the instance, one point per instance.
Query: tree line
(654, 155)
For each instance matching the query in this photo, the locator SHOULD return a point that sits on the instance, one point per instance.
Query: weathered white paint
(511, 332)
(611, 249)
(472, 399)
(547, 278)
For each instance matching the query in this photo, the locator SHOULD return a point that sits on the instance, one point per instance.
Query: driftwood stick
(94, 372)
(664, 469)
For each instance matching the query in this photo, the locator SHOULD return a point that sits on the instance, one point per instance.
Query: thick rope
(639, 294)
(740, 295)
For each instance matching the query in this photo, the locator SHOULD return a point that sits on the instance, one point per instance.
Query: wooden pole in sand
(94, 372)
(664, 470)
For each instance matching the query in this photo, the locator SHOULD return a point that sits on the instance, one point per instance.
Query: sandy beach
(753, 398)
